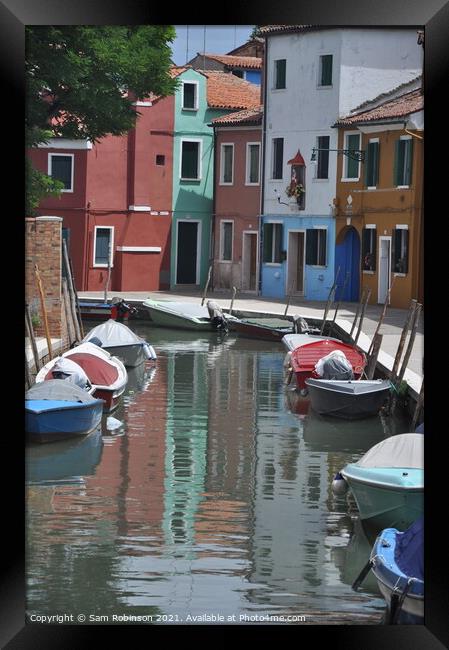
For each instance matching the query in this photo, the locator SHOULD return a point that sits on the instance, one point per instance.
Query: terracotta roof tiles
(225, 90)
(406, 104)
(249, 116)
(246, 62)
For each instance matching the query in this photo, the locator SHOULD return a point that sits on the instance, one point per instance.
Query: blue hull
(391, 579)
(49, 420)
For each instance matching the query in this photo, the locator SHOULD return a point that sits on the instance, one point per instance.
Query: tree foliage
(81, 82)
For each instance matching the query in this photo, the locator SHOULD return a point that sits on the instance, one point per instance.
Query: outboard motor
(216, 316)
(122, 311)
(300, 325)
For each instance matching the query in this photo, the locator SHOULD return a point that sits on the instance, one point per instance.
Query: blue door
(347, 257)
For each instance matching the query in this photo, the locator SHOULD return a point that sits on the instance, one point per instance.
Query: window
(372, 164)
(60, 167)
(227, 228)
(272, 243)
(227, 164)
(160, 159)
(316, 246)
(369, 236)
(239, 73)
(325, 74)
(322, 168)
(189, 96)
(252, 163)
(403, 162)
(278, 158)
(191, 160)
(351, 165)
(103, 244)
(400, 250)
(280, 68)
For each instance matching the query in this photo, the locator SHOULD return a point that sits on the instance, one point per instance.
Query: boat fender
(149, 351)
(339, 485)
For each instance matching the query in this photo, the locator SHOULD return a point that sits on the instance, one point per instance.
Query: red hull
(305, 357)
(111, 398)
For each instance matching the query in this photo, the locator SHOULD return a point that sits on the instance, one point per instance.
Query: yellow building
(379, 199)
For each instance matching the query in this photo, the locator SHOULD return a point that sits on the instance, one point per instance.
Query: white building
(313, 76)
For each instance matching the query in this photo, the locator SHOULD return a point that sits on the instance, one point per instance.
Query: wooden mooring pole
(30, 333)
(44, 310)
(364, 303)
(348, 274)
(289, 297)
(76, 316)
(382, 316)
(207, 285)
(397, 380)
(372, 361)
(234, 291)
(419, 405)
(330, 299)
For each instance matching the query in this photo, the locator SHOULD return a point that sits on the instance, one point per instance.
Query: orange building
(379, 198)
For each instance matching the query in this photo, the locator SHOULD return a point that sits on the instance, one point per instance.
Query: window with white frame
(272, 243)
(369, 239)
(253, 163)
(191, 160)
(400, 249)
(226, 239)
(316, 246)
(60, 168)
(190, 95)
(280, 70)
(103, 245)
(278, 158)
(403, 161)
(325, 70)
(351, 166)
(227, 164)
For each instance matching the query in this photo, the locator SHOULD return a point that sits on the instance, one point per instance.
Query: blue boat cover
(409, 551)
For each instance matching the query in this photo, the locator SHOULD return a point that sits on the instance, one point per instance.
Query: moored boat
(397, 562)
(182, 315)
(96, 310)
(271, 328)
(57, 409)
(388, 481)
(348, 399)
(117, 339)
(106, 373)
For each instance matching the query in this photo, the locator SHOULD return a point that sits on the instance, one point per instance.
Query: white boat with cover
(121, 341)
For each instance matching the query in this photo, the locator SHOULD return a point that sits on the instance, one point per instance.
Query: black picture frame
(434, 16)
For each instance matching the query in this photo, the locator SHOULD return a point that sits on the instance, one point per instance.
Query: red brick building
(238, 151)
(117, 198)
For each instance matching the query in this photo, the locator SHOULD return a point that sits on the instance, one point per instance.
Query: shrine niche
(296, 189)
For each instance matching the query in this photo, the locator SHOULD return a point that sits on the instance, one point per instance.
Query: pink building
(117, 199)
(238, 152)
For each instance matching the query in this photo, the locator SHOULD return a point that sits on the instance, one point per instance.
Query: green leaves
(81, 81)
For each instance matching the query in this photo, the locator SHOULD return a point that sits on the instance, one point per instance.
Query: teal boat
(388, 482)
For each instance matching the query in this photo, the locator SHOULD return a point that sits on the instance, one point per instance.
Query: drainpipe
(262, 188)
(212, 225)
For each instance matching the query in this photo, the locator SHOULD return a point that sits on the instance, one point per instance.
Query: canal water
(210, 501)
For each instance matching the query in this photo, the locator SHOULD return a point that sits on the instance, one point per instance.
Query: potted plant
(295, 190)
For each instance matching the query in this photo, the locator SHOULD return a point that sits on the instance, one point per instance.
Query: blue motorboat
(57, 409)
(397, 562)
(388, 482)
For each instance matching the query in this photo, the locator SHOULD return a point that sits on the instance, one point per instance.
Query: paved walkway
(391, 327)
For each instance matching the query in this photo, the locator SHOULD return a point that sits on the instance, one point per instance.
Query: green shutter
(405, 235)
(322, 247)
(399, 162)
(278, 242)
(408, 162)
(280, 73)
(352, 168)
(326, 70)
(372, 165)
(189, 165)
(374, 249)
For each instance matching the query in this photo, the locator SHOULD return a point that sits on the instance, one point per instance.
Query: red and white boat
(304, 358)
(106, 373)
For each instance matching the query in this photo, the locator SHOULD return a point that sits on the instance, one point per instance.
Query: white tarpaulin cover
(112, 333)
(72, 371)
(402, 450)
